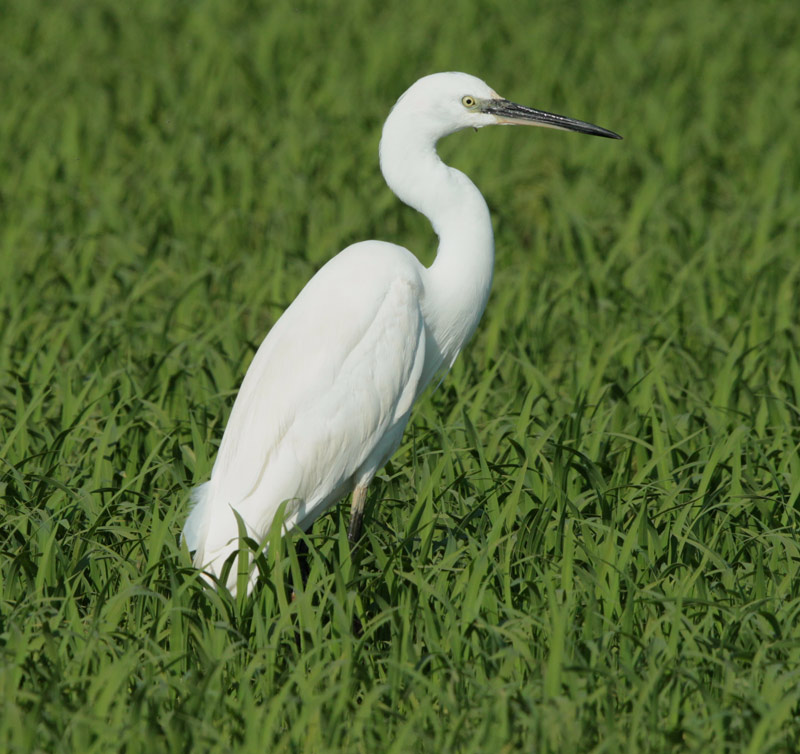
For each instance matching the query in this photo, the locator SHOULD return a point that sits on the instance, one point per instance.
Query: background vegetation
(589, 540)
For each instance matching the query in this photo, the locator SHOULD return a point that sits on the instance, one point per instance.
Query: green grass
(589, 539)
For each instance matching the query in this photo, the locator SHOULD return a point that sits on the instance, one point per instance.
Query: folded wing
(323, 404)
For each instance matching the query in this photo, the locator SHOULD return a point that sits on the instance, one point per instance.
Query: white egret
(326, 399)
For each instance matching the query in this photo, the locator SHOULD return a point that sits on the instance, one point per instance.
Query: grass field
(589, 539)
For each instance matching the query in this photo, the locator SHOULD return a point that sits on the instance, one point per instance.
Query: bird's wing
(337, 372)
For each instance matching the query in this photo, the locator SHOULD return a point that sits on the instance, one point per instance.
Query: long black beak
(511, 113)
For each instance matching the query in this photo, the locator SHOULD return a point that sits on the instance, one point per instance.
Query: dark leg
(356, 514)
(354, 533)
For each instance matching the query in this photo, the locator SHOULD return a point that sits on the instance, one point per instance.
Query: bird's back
(324, 401)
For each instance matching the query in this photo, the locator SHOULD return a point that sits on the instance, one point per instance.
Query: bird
(329, 392)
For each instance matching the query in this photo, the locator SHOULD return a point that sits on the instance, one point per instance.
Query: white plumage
(329, 392)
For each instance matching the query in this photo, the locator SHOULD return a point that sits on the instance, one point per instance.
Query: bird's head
(450, 102)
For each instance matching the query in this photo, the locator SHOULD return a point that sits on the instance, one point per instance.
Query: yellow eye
(468, 101)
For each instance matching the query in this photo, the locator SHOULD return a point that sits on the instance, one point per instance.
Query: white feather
(329, 393)
(323, 404)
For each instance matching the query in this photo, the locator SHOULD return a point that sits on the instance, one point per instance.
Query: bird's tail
(195, 530)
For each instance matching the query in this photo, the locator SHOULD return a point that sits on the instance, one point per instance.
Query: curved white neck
(458, 282)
